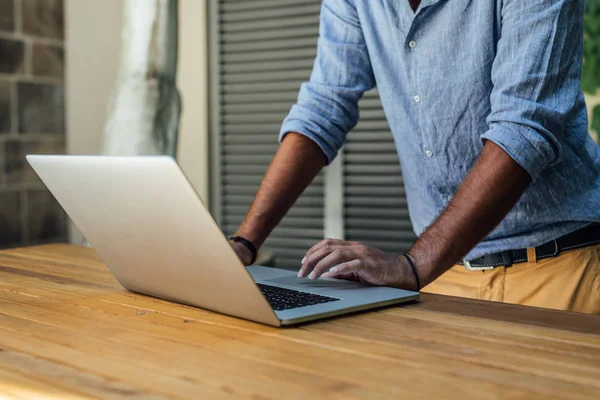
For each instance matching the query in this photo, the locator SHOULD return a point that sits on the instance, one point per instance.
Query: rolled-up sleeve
(327, 105)
(536, 79)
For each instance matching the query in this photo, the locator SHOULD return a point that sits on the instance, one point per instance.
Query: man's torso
(434, 76)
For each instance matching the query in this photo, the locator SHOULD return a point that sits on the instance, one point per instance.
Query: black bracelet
(248, 244)
(414, 270)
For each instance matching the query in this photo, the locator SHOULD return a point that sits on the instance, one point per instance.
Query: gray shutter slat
(232, 6)
(373, 180)
(245, 47)
(253, 128)
(376, 156)
(244, 159)
(265, 55)
(284, 97)
(372, 114)
(298, 211)
(378, 167)
(255, 109)
(377, 191)
(377, 224)
(289, 222)
(372, 95)
(251, 190)
(262, 66)
(292, 11)
(264, 147)
(366, 202)
(302, 201)
(375, 214)
(277, 86)
(290, 261)
(297, 232)
(253, 118)
(254, 179)
(237, 139)
(271, 76)
(273, 25)
(245, 169)
(282, 241)
(371, 125)
(372, 148)
(357, 139)
(250, 37)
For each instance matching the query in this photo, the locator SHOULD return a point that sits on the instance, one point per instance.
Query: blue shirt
(451, 75)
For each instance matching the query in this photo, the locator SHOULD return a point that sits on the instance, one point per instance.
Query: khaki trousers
(570, 281)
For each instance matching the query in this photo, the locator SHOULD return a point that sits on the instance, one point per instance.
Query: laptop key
(286, 299)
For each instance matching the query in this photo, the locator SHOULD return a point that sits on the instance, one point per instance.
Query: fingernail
(311, 276)
(300, 273)
(303, 260)
(334, 269)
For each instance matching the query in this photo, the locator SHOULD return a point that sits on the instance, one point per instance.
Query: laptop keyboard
(285, 299)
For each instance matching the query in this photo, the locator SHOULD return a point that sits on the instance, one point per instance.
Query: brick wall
(32, 118)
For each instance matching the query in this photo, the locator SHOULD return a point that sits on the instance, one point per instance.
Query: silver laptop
(151, 229)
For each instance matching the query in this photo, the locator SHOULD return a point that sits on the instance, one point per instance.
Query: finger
(311, 260)
(348, 277)
(336, 257)
(346, 270)
(320, 245)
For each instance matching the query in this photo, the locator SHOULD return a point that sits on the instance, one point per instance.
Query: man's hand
(489, 191)
(243, 253)
(334, 258)
(486, 195)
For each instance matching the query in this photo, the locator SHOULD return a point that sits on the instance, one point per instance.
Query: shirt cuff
(530, 149)
(326, 135)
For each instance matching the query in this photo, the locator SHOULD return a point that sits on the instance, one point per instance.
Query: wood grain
(68, 329)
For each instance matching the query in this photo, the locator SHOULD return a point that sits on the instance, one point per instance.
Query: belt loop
(531, 255)
(506, 258)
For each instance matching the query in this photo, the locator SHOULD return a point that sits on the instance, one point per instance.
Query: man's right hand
(243, 253)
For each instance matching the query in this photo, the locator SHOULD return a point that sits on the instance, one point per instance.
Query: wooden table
(68, 331)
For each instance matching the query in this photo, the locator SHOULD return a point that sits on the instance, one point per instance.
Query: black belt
(583, 237)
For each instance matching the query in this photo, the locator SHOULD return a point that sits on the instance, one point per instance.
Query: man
(489, 121)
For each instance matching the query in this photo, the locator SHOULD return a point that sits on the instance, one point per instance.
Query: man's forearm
(296, 163)
(489, 191)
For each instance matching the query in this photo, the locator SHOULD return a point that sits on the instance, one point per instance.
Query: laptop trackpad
(323, 283)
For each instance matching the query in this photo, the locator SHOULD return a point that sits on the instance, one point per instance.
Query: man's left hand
(334, 258)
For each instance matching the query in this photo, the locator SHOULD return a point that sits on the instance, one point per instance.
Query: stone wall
(32, 118)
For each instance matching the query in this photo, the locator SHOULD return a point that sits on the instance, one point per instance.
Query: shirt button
(429, 153)
(417, 99)
(412, 44)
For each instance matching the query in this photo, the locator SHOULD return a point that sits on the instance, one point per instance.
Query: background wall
(31, 118)
(93, 32)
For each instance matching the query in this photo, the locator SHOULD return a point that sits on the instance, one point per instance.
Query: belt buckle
(469, 267)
